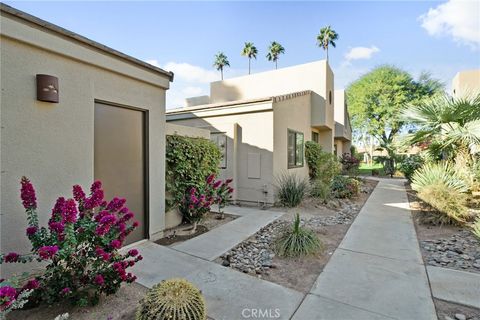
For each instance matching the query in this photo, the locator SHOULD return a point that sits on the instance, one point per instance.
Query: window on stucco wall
(315, 137)
(295, 149)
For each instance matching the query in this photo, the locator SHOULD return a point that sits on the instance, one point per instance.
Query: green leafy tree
(327, 37)
(221, 61)
(249, 51)
(376, 100)
(274, 52)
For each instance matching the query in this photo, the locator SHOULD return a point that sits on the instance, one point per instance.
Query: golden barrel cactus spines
(174, 299)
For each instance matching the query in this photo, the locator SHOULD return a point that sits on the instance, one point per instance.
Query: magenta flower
(229, 180)
(31, 231)
(95, 186)
(217, 184)
(102, 230)
(57, 227)
(11, 257)
(116, 204)
(135, 224)
(47, 252)
(230, 190)
(27, 194)
(32, 284)
(78, 193)
(128, 216)
(108, 219)
(70, 211)
(133, 252)
(59, 207)
(65, 291)
(210, 178)
(193, 191)
(115, 244)
(99, 280)
(7, 296)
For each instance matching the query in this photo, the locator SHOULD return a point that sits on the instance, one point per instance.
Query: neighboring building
(466, 83)
(343, 130)
(109, 124)
(261, 122)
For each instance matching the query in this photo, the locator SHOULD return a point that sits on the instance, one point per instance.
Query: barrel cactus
(174, 299)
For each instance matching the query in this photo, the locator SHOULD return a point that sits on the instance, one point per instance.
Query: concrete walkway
(455, 286)
(214, 243)
(229, 294)
(377, 271)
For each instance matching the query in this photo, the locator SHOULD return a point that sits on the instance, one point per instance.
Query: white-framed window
(295, 143)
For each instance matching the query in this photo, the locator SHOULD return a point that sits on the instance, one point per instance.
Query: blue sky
(442, 37)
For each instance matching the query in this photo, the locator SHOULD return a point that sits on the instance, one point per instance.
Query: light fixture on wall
(47, 88)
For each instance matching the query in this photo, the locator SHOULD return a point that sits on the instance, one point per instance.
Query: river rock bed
(255, 255)
(461, 251)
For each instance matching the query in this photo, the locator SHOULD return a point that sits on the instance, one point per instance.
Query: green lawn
(366, 169)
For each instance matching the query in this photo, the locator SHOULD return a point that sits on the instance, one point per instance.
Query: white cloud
(459, 19)
(358, 53)
(188, 72)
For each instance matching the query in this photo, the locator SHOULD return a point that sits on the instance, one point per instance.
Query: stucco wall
(186, 131)
(247, 133)
(466, 83)
(293, 114)
(310, 76)
(52, 144)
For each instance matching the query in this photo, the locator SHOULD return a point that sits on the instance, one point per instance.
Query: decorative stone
(460, 316)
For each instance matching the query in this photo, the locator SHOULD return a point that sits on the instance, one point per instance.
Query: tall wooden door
(119, 159)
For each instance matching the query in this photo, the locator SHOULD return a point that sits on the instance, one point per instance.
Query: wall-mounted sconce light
(47, 88)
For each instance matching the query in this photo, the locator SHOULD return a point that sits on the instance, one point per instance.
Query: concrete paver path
(377, 271)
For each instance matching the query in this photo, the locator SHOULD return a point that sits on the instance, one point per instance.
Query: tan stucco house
(261, 123)
(466, 83)
(108, 124)
(343, 131)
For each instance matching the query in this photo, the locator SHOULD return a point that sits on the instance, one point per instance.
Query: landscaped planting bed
(446, 246)
(256, 256)
(183, 232)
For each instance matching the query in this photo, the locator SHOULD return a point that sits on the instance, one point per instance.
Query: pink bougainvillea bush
(80, 246)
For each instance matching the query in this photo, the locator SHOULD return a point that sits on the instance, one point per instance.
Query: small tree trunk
(194, 229)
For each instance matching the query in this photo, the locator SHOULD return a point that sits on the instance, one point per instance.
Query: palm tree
(249, 51)
(326, 37)
(274, 52)
(447, 125)
(220, 62)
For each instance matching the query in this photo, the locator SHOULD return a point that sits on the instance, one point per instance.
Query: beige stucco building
(261, 122)
(343, 130)
(466, 83)
(109, 124)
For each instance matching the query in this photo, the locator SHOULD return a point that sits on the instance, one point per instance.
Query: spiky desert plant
(297, 241)
(291, 189)
(434, 173)
(173, 299)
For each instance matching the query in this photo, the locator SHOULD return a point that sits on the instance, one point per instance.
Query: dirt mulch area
(447, 311)
(121, 305)
(330, 221)
(182, 232)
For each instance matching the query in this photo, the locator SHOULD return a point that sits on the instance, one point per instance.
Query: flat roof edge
(78, 38)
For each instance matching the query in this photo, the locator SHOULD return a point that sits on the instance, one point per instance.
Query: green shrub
(320, 190)
(297, 241)
(174, 299)
(345, 187)
(291, 189)
(438, 173)
(450, 204)
(321, 165)
(409, 165)
(189, 161)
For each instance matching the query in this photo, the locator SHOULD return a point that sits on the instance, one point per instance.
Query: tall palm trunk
(221, 71)
(276, 66)
(327, 53)
(249, 60)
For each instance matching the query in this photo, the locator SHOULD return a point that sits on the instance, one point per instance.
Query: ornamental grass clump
(79, 246)
(291, 189)
(174, 299)
(295, 241)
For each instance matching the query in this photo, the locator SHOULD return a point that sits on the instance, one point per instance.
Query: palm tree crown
(250, 51)
(220, 62)
(274, 52)
(326, 37)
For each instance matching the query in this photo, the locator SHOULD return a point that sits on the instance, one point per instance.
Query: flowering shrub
(345, 187)
(197, 202)
(350, 164)
(80, 246)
